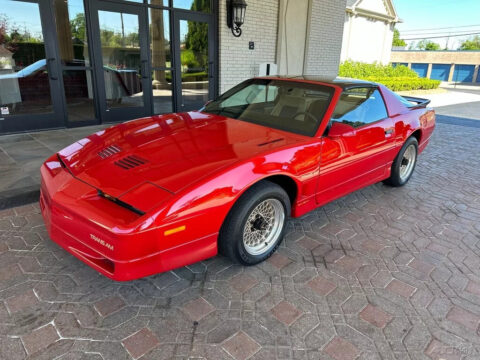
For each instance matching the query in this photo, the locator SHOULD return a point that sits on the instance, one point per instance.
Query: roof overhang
(359, 11)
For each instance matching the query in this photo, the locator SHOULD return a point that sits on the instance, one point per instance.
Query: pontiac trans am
(157, 193)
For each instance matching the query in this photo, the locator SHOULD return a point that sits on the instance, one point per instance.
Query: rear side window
(360, 106)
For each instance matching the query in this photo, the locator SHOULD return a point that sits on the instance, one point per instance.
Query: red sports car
(154, 194)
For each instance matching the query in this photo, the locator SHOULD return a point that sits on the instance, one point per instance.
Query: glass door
(30, 86)
(121, 60)
(194, 60)
(78, 80)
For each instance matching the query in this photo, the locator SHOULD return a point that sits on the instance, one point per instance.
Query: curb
(20, 196)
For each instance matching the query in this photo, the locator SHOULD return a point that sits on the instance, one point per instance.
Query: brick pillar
(429, 70)
(450, 74)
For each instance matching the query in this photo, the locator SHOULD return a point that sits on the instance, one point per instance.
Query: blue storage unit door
(463, 73)
(420, 69)
(440, 72)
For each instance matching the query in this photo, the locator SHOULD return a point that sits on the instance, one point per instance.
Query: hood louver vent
(109, 151)
(130, 162)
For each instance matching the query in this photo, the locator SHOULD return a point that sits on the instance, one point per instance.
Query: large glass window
(79, 95)
(194, 5)
(161, 55)
(162, 91)
(160, 38)
(24, 79)
(194, 64)
(77, 74)
(158, 2)
(360, 106)
(71, 32)
(281, 104)
(119, 37)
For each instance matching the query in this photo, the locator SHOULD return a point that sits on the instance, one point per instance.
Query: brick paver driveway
(380, 274)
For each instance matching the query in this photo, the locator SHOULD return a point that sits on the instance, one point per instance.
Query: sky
(460, 16)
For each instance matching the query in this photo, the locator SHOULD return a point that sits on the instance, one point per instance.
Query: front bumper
(108, 237)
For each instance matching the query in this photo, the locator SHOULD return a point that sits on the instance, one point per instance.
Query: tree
(196, 38)
(3, 29)
(396, 39)
(77, 25)
(471, 44)
(427, 45)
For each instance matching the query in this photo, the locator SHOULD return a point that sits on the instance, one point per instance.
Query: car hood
(167, 152)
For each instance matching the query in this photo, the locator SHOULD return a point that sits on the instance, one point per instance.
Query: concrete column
(450, 74)
(158, 47)
(64, 31)
(476, 72)
(292, 36)
(429, 70)
(409, 65)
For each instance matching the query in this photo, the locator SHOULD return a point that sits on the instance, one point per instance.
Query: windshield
(286, 105)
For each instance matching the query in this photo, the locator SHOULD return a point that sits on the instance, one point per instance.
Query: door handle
(143, 69)
(51, 72)
(389, 131)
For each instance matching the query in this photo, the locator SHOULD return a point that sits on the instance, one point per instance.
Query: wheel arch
(286, 183)
(416, 134)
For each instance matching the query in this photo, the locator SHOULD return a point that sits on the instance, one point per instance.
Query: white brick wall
(237, 62)
(324, 43)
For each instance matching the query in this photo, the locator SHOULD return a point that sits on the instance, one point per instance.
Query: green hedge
(406, 83)
(395, 78)
(359, 70)
(198, 76)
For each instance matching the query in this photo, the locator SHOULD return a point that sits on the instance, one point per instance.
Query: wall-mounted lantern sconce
(236, 15)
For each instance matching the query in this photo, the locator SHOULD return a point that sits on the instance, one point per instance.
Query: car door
(359, 146)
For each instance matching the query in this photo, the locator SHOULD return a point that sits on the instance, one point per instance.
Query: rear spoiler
(418, 102)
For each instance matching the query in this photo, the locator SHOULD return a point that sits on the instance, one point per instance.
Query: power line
(439, 28)
(443, 32)
(443, 36)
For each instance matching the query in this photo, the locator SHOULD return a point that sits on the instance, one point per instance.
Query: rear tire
(255, 226)
(404, 163)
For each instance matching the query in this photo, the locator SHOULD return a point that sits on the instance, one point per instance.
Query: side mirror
(339, 129)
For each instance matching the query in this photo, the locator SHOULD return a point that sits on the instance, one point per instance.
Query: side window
(360, 106)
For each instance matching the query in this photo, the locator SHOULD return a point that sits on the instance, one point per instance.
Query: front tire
(404, 163)
(255, 226)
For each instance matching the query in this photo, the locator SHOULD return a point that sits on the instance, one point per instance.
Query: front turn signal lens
(174, 230)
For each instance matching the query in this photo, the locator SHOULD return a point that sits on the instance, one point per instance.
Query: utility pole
(448, 39)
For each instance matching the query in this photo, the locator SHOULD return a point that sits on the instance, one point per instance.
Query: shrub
(198, 76)
(188, 58)
(395, 78)
(406, 83)
(359, 70)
